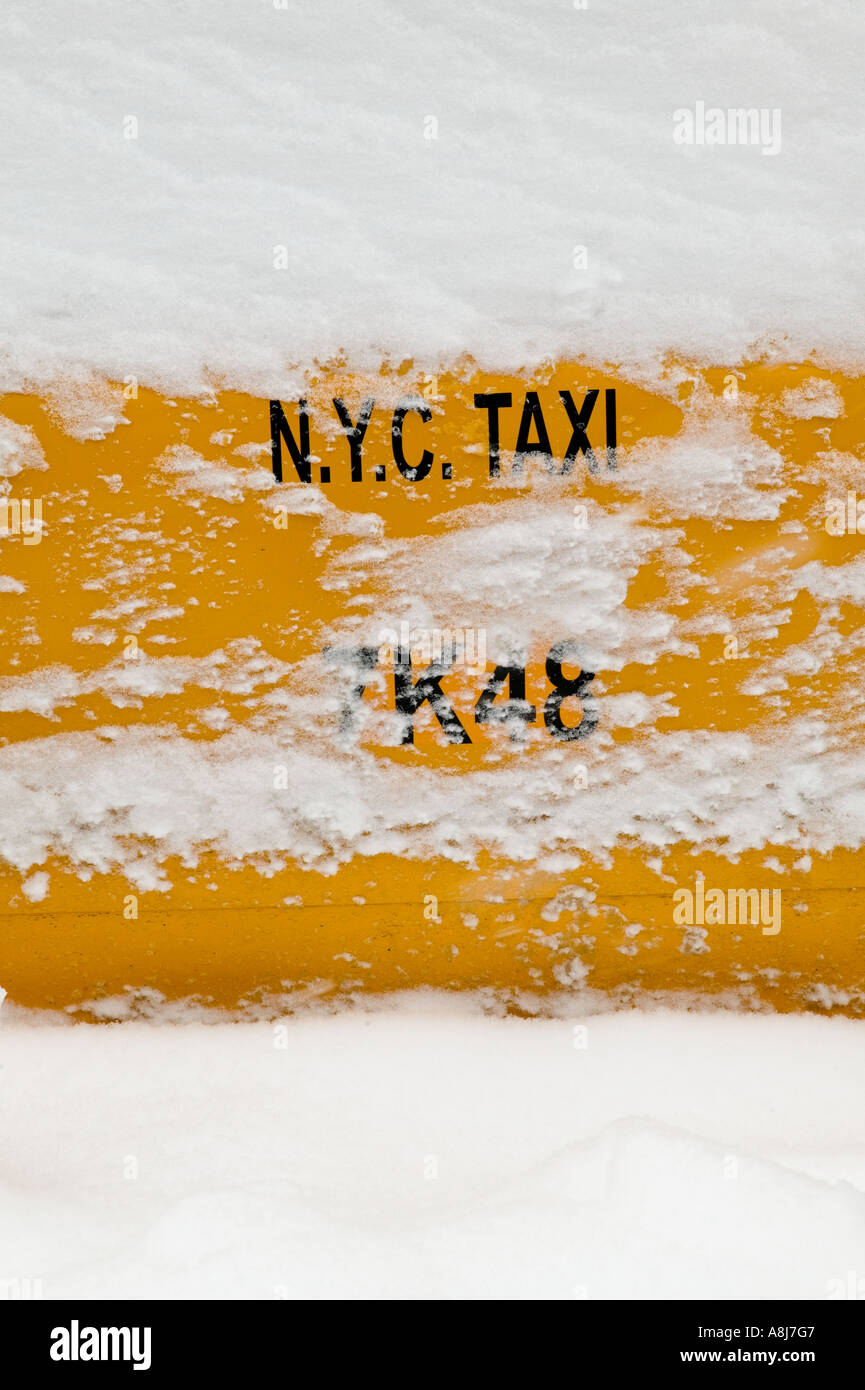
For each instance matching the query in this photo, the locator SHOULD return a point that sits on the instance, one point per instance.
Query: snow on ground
(427, 1150)
(243, 185)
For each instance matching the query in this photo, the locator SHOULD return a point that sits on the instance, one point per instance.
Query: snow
(725, 793)
(19, 449)
(429, 1151)
(814, 399)
(222, 190)
(241, 668)
(232, 193)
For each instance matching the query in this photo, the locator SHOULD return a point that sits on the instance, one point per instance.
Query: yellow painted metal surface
(147, 557)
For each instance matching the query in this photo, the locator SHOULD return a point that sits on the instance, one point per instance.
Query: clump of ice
(35, 888)
(815, 398)
(715, 468)
(85, 406)
(240, 669)
(202, 477)
(19, 449)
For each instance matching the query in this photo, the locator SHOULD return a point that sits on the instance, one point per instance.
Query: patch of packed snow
(429, 1151)
(220, 188)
